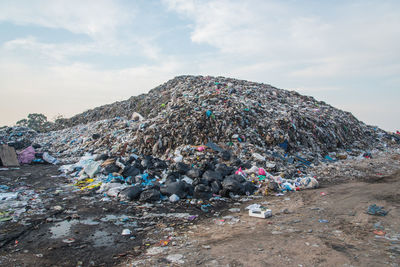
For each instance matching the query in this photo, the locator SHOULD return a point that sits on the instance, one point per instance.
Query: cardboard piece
(8, 156)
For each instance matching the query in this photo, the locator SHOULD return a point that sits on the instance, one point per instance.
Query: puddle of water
(119, 220)
(131, 224)
(89, 222)
(62, 229)
(102, 239)
(109, 217)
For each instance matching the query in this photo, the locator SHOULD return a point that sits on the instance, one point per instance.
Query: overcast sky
(64, 57)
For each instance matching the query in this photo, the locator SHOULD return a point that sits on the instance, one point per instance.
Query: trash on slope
(210, 136)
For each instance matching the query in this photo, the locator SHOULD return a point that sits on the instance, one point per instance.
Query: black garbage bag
(231, 184)
(212, 176)
(223, 169)
(249, 187)
(194, 173)
(130, 193)
(202, 191)
(182, 168)
(177, 188)
(216, 186)
(130, 171)
(150, 195)
(225, 155)
(111, 168)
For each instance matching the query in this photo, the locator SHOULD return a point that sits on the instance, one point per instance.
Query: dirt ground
(68, 227)
(294, 235)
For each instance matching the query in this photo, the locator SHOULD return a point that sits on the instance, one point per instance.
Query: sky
(63, 57)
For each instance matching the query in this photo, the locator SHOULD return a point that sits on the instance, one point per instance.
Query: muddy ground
(64, 226)
(328, 226)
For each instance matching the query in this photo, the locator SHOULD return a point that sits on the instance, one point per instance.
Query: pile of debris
(240, 116)
(205, 137)
(17, 137)
(152, 179)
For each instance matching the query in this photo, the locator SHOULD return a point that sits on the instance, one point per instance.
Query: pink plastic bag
(27, 155)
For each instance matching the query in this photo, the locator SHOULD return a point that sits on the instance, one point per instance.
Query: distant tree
(59, 121)
(36, 121)
(58, 117)
(23, 122)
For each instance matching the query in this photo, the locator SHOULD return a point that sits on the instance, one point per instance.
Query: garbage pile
(152, 179)
(228, 111)
(17, 137)
(231, 112)
(205, 137)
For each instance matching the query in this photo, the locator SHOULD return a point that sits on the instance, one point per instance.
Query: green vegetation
(37, 122)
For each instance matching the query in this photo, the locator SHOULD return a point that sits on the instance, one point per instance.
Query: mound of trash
(193, 110)
(203, 137)
(17, 137)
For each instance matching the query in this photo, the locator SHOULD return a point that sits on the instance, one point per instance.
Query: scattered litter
(276, 232)
(260, 212)
(4, 216)
(376, 210)
(253, 206)
(378, 225)
(126, 232)
(205, 207)
(155, 250)
(379, 232)
(174, 198)
(191, 218)
(69, 240)
(175, 258)
(235, 210)
(164, 243)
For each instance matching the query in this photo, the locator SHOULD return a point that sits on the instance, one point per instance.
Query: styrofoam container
(260, 213)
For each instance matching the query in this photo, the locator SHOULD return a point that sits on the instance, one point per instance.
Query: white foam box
(260, 213)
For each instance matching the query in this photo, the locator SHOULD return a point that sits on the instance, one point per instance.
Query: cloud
(95, 18)
(341, 40)
(111, 26)
(58, 52)
(249, 27)
(148, 47)
(62, 52)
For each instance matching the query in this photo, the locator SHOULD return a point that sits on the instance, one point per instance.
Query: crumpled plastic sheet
(376, 210)
(27, 155)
